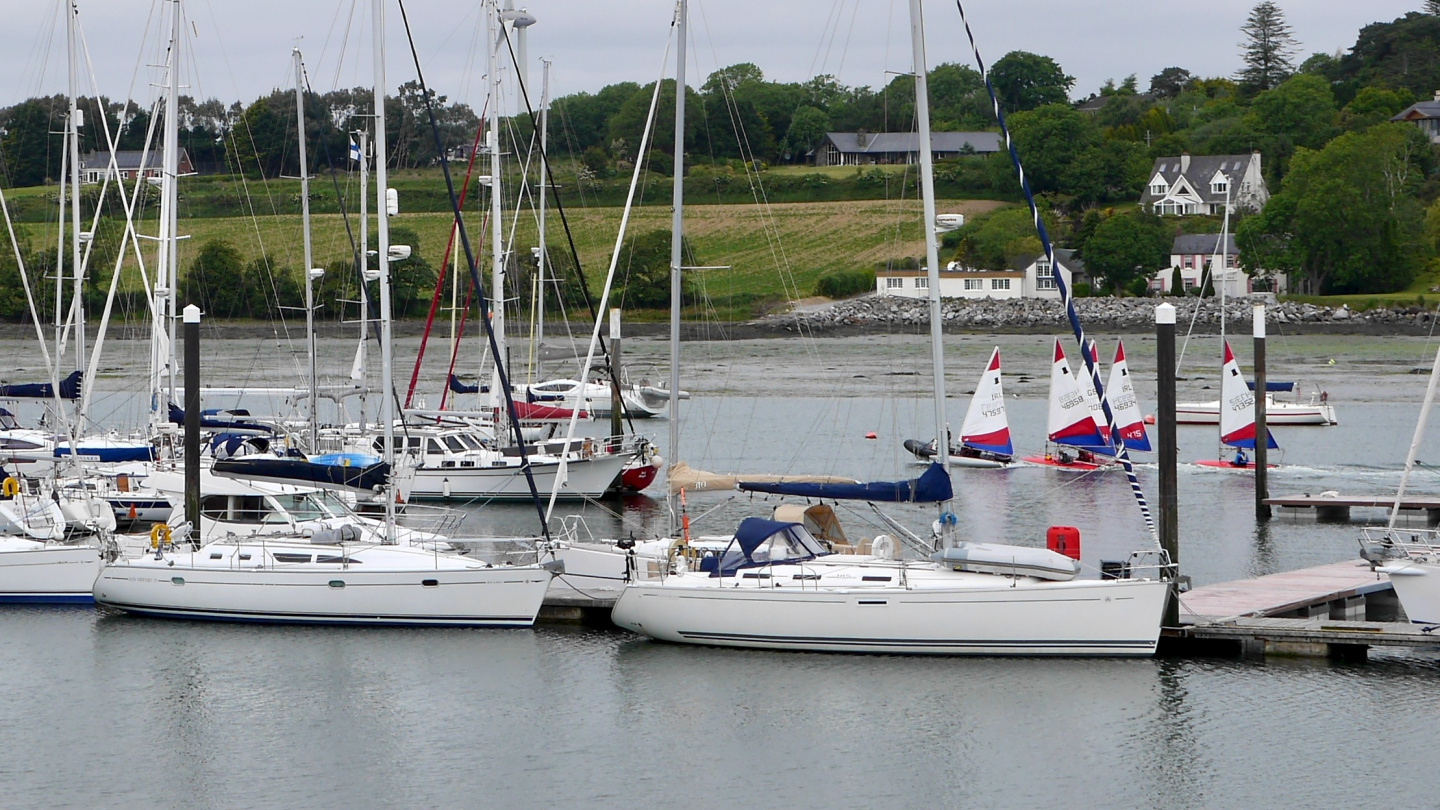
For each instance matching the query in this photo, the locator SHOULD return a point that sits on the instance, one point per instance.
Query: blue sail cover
(457, 387)
(1274, 387)
(302, 472)
(69, 389)
(932, 486)
(233, 421)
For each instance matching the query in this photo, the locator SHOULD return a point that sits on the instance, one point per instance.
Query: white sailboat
(325, 577)
(1318, 411)
(1078, 444)
(1410, 557)
(1237, 419)
(985, 433)
(776, 587)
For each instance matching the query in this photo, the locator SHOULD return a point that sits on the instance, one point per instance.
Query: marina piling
(192, 422)
(1262, 434)
(1165, 425)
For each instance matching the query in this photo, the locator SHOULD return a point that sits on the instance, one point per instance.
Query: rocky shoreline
(874, 314)
(890, 313)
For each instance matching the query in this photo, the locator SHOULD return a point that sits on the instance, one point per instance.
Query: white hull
(979, 463)
(392, 587)
(1276, 413)
(937, 613)
(32, 572)
(585, 478)
(1417, 584)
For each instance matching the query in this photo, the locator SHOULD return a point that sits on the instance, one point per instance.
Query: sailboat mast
(73, 127)
(160, 351)
(497, 251)
(172, 174)
(364, 263)
(932, 258)
(309, 258)
(544, 181)
(677, 238)
(382, 259)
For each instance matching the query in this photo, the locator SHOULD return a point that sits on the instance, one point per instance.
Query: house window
(1189, 263)
(1157, 189)
(922, 282)
(974, 284)
(999, 283)
(1044, 278)
(1230, 260)
(1219, 187)
(1189, 282)
(893, 283)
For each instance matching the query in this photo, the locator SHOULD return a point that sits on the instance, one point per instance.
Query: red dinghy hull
(1221, 464)
(1076, 466)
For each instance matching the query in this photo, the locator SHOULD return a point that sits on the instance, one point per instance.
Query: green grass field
(772, 254)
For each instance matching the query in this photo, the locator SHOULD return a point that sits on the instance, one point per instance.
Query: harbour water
(113, 711)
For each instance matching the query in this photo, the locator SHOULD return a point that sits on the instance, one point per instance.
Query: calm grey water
(106, 710)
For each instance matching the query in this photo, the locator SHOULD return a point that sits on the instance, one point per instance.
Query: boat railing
(434, 519)
(1378, 544)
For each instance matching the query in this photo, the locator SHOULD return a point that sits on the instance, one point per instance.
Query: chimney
(1184, 162)
(861, 138)
(1437, 95)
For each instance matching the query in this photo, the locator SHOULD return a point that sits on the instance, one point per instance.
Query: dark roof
(1203, 243)
(1198, 173)
(1065, 257)
(894, 142)
(128, 159)
(1419, 110)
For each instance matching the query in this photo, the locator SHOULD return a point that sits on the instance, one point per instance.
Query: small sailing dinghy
(1237, 420)
(1077, 442)
(1120, 393)
(985, 434)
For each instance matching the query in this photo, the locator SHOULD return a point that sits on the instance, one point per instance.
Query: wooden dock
(1339, 610)
(1336, 507)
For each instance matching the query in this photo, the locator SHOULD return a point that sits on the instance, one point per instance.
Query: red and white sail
(1071, 422)
(1237, 406)
(1124, 405)
(1087, 385)
(986, 426)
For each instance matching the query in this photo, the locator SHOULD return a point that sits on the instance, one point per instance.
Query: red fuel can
(1063, 540)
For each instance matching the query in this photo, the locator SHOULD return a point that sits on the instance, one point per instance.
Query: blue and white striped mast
(1121, 454)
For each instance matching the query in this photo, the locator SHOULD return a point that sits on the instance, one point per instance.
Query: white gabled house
(1201, 184)
(1192, 253)
(1035, 280)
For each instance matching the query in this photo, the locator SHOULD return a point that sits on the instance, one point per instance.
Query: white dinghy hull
(972, 615)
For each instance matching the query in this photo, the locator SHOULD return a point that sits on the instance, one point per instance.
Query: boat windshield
(312, 505)
(765, 542)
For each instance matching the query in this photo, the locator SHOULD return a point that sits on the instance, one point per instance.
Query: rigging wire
(504, 377)
(1121, 453)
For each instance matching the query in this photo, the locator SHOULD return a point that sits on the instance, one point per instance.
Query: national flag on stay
(354, 150)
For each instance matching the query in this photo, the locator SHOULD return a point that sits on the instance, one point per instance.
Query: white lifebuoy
(883, 546)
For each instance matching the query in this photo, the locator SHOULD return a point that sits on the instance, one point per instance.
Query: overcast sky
(241, 48)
